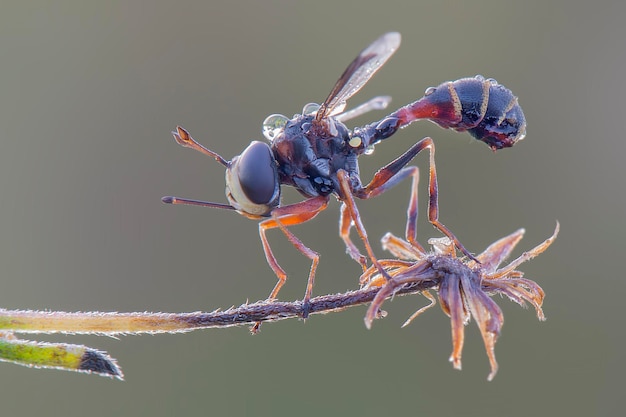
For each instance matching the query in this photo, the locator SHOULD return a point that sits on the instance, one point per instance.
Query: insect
(316, 153)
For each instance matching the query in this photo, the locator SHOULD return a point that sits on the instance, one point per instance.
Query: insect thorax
(310, 153)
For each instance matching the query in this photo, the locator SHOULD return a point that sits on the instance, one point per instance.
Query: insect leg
(395, 171)
(351, 209)
(411, 232)
(282, 217)
(345, 224)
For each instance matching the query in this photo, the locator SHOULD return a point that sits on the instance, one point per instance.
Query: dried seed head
(464, 286)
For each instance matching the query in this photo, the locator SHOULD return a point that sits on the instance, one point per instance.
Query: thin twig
(105, 323)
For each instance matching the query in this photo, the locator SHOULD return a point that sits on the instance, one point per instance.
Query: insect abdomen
(487, 110)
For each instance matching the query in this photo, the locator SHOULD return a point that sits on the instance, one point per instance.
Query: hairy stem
(30, 321)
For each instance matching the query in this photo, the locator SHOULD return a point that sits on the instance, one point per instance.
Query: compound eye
(257, 173)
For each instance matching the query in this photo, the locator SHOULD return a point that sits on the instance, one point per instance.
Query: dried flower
(464, 285)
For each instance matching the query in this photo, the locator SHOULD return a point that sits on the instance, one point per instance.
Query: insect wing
(359, 72)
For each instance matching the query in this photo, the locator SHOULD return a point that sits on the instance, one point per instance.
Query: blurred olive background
(89, 94)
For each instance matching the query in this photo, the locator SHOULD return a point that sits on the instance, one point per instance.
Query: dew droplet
(369, 150)
(273, 125)
(310, 108)
(430, 90)
(479, 77)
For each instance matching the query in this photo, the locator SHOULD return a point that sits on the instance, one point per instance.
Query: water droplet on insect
(273, 125)
(492, 81)
(479, 77)
(310, 108)
(430, 90)
(369, 150)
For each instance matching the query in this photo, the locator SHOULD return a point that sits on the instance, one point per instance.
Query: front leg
(281, 217)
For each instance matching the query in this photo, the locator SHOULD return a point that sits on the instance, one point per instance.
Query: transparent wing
(359, 72)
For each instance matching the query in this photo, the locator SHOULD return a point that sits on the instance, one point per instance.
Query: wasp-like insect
(317, 154)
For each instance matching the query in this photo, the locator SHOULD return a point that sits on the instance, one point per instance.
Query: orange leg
(345, 224)
(351, 209)
(285, 216)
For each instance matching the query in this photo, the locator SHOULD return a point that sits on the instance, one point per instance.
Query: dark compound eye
(257, 173)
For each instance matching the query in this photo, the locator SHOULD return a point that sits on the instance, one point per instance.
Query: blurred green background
(89, 94)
